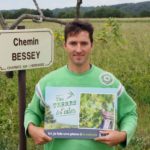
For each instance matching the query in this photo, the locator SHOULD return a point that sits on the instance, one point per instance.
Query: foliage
(145, 13)
(47, 12)
(104, 12)
(59, 37)
(120, 10)
(12, 14)
(49, 118)
(110, 32)
(90, 117)
(64, 14)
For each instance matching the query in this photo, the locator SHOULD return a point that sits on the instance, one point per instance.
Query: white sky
(52, 4)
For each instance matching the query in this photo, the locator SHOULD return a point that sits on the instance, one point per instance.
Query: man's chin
(79, 63)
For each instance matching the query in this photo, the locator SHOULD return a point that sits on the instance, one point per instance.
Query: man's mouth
(78, 55)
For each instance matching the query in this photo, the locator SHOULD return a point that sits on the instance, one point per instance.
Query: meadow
(121, 47)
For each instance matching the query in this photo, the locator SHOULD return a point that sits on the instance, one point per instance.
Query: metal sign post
(22, 104)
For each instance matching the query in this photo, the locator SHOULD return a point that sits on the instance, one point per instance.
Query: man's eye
(84, 43)
(73, 43)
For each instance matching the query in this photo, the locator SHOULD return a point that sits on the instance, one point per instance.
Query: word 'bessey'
(25, 55)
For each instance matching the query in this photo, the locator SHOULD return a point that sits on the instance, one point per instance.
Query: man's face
(78, 47)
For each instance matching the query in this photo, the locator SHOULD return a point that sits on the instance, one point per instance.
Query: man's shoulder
(107, 78)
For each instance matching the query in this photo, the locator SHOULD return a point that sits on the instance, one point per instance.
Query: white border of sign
(45, 48)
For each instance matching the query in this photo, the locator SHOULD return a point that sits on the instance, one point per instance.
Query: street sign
(26, 49)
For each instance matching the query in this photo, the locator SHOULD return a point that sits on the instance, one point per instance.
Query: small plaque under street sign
(25, 49)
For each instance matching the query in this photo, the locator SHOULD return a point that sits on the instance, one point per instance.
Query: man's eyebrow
(72, 41)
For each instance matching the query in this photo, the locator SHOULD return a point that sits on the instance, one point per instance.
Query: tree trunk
(79, 2)
(2, 22)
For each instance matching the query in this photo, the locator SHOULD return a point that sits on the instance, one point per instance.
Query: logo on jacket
(106, 78)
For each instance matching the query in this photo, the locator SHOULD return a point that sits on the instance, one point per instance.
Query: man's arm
(34, 115)
(127, 116)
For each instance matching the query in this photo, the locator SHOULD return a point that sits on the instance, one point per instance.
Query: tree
(90, 14)
(26, 15)
(43, 16)
(103, 12)
(49, 118)
(66, 14)
(3, 22)
(47, 13)
(145, 13)
(79, 2)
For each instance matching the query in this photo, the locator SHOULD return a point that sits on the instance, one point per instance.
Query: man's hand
(111, 137)
(38, 134)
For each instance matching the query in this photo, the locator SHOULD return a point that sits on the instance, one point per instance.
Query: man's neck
(79, 69)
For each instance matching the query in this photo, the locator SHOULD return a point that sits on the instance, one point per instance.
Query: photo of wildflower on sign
(96, 111)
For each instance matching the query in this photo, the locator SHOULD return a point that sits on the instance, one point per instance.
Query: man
(80, 73)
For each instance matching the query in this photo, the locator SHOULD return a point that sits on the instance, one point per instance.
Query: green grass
(127, 57)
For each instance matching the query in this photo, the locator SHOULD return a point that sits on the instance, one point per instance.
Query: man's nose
(78, 49)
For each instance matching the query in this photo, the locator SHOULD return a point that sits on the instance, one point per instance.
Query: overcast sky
(51, 4)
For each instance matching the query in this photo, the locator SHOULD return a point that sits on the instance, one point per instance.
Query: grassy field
(121, 47)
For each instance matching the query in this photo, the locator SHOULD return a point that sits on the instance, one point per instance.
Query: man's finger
(102, 138)
(47, 138)
(103, 133)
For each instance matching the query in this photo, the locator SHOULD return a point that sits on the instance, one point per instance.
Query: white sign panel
(25, 49)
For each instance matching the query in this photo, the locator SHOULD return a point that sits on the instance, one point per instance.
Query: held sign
(25, 49)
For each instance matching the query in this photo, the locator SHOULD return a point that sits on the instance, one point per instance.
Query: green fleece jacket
(96, 78)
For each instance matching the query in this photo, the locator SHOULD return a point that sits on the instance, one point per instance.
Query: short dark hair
(75, 27)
